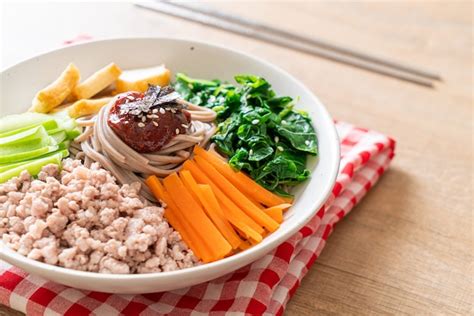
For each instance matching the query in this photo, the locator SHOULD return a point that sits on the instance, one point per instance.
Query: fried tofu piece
(138, 79)
(86, 107)
(54, 94)
(97, 82)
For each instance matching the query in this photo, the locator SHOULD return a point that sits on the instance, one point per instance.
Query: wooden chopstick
(164, 7)
(258, 26)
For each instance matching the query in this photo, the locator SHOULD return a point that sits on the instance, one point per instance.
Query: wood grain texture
(407, 248)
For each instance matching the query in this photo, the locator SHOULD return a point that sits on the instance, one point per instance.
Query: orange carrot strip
(245, 245)
(240, 180)
(196, 240)
(235, 195)
(276, 212)
(195, 215)
(288, 199)
(211, 207)
(188, 182)
(251, 199)
(155, 186)
(190, 237)
(252, 236)
(233, 213)
(209, 199)
(171, 217)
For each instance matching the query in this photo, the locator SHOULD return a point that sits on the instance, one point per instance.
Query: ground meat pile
(80, 218)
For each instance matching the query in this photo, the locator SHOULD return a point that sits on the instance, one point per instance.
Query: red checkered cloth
(264, 287)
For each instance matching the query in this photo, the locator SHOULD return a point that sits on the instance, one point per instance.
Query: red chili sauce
(148, 131)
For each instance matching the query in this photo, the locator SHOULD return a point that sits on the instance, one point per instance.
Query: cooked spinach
(258, 130)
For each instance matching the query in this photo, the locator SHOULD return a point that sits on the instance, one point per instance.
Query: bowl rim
(315, 205)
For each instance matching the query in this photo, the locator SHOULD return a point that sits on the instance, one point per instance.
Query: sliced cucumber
(61, 150)
(27, 135)
(72, 134)
(48, 125)
(18, 121)
(5, 167)
(64, 145)
(27, 155)
(59, 136)
(11, 149)
(34, 167)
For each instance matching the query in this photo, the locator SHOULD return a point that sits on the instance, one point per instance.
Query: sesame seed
(155, 123)
(307, 142)
(141, 124)
(162, 111)
(283, 122)
(184, 125)
(280, 148)
(277, 139)
(154, 111)
(177, 131)
(251, 151)
(255, 122)
(154, 116)
(149, 116)
(173, 111)
(143, 119)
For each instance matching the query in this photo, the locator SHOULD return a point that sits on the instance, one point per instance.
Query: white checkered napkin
(263, 287)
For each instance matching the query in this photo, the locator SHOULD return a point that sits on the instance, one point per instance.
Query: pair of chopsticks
(257, 30)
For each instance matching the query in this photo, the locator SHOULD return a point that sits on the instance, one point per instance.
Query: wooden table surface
(407, 248)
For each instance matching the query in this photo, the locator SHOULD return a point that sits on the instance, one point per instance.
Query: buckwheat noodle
(99, 143)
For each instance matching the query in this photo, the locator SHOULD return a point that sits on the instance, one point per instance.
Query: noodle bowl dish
(133, 172)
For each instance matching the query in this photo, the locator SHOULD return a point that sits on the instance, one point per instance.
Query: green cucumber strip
(26, 146)
(64, 153)
(59, 136)
(73, 133)
(64, 145)
(9, 166)
(21, 156)
(33, 167)
(48, 125)
(17, 121)
(54, 131)
(27, 135)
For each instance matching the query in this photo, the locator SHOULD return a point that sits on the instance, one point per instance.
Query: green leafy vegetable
(258, 130)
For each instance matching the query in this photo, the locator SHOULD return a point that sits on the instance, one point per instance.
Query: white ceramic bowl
(197, 59)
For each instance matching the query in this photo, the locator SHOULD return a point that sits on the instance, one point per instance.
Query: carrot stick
(235, 195)
(155, 186)
(189, 182)
(234, 214)
(252, 235)
(240, 180)
(245, 245)
(224, 226)
(276, 212)
(171, 217)
(288, 199)
(195, 215)
(190, 237)
(211, 207)
(282, 207)
(257, 204)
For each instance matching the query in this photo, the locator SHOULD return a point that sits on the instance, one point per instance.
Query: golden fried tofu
(97, 82)
(138, 79)
(87, 107)
(54, 94)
